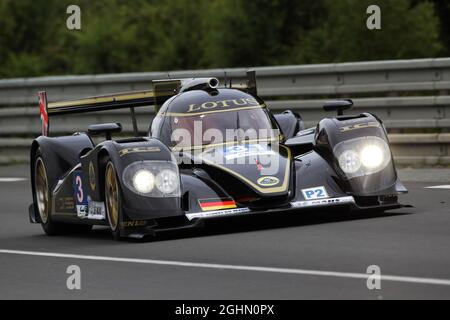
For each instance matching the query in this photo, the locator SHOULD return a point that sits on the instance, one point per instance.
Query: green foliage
(151, 35)
(442, 8)
(407, 32)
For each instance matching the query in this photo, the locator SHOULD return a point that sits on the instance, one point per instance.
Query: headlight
(167, 181)
(362, 156)
(156, 179)
(372, 156)
(349, 161)
(144, 181)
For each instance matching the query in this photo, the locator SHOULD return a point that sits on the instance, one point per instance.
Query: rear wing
(163, 90)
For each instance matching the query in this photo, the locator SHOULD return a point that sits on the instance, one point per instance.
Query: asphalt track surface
(314, 256)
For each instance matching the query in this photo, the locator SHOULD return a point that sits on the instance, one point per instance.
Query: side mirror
(105, 128)
(338, 105)
(290, 123)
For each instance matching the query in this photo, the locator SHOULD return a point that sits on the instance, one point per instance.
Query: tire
(113, 201)
(42, 201)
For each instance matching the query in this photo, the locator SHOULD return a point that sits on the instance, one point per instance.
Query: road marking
(12, 179)
(439, 187)
(431, 281)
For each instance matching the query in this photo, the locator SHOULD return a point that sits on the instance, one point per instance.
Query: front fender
(60, 154)
(332, 131)
(122, 154)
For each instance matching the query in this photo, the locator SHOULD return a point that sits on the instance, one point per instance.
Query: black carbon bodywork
(305, 158)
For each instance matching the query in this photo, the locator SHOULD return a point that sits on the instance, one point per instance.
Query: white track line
(12, 179)
(439, 187)
(442, 282)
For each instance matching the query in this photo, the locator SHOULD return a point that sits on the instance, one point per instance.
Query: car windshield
(219, 127)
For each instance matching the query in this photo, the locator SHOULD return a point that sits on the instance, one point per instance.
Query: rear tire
(42, 201)
(113, 200)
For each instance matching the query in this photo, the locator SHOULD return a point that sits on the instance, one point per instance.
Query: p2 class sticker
(315, 193)
(81, 198)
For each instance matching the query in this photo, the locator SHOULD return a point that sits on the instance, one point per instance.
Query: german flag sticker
(217, 204)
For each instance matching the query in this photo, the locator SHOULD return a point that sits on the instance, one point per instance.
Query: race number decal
(81, 199)
(315, 193)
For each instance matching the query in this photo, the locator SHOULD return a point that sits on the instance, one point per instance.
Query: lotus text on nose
(211, 105)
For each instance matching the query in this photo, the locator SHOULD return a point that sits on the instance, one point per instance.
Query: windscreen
(219, 127)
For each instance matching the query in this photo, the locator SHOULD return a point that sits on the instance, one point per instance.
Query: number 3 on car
(81, 199)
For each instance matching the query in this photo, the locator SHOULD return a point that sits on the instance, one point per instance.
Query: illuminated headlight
(362, 156)
(144, 181)
(153, 178)
(372, 156)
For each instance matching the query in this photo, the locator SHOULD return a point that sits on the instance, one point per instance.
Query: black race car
(211, 152)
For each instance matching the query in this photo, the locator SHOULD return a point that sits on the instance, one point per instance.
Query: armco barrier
(408, 95)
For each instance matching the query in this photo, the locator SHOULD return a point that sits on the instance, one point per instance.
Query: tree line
(153, 35)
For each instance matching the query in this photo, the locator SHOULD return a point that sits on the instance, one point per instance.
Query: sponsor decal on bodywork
(221, 105)
(315, 193)
(64, 203)
(86, 208)
(81, 199)
(360, 126)
(219, 213)
(241, 151)
(44, 113)
(127, 151)
(92, 182)
(323, 202)
(217, 204)
(294, 205)
(133, 224)
(268, 181)
(96, 210)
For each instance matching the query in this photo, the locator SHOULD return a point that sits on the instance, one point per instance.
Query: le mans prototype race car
(184, 171)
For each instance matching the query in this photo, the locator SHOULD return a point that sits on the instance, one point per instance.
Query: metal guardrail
(409, 95)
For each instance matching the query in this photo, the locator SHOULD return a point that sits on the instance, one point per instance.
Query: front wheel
(113, 199)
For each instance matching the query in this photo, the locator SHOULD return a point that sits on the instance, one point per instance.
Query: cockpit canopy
(199, 118)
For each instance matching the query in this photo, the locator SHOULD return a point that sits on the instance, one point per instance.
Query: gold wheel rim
(41, 189)
(112, 197)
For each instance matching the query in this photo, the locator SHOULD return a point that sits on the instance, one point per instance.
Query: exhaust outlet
(214, 83)
(200, 84)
